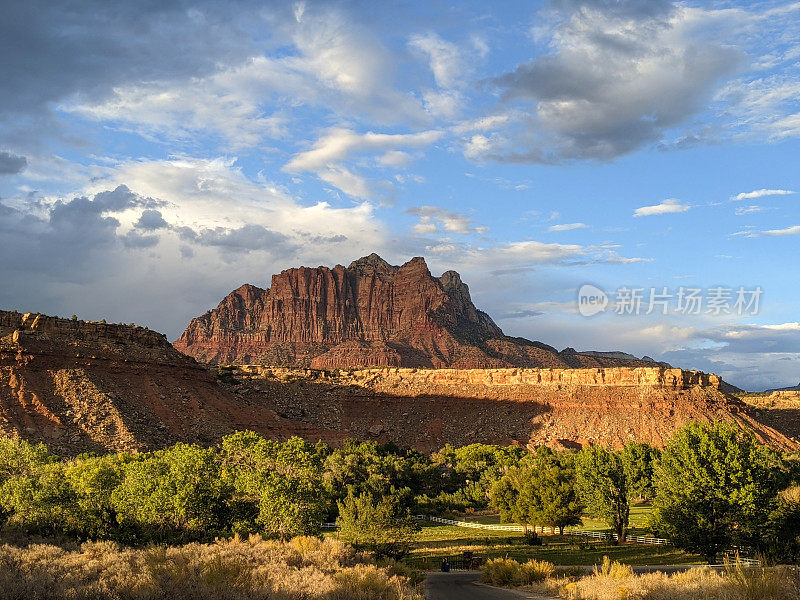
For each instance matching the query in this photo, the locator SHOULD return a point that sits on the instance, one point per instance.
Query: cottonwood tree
(376, 523)
(548, 496)
(639, 460)
(603, 487)
(716, 487)
(276, 486)
(178, 489)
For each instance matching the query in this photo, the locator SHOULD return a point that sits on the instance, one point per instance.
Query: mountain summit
(370, 313)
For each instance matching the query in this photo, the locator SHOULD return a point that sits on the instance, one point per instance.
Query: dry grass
(304, 568)
(613, 581)
(504, 571)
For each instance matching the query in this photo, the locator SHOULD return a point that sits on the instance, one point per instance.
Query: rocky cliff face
(561, 408)
(83, 386)
(368, 314)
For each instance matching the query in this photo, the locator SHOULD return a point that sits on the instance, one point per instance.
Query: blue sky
(156, 155)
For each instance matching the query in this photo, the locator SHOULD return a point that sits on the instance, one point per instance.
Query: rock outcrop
(85, 386)
(561, 408)
(368, 314)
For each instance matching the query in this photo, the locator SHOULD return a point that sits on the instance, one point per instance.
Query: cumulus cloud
(181, 225)
(11, 164)
(150, 220)
(669, 206)
(617, 78)
(761, 194)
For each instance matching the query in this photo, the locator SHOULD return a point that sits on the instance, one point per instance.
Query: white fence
(600, 535)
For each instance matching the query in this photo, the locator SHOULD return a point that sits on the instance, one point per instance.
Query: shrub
(506, 572)
(611, 582)
(379, 524)
(532, 538)
(231, 570)
(613, 569)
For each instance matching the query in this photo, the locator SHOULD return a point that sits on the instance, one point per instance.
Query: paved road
(465, 586)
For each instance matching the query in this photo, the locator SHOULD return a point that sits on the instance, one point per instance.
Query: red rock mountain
(368, 314)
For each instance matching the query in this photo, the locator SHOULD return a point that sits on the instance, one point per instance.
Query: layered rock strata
(86, 386)
(367, 314)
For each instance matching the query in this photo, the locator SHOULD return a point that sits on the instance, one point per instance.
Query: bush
(507, 572)
(231, 570)
(613, 569)
(379, 525)
(613, 581)
(532, 538)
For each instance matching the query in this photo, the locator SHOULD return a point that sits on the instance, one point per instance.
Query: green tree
(603, 487)
(277, 486)
(504, 498)
(716, 486)
(639, 460)
(379, 524)
(18, 457)
(548, 496)
(782, 535)
(178, 489)
(41, 501)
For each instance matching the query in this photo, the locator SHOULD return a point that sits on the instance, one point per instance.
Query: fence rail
(600, 535)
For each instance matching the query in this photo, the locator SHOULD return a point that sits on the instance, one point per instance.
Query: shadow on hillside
(422, 421)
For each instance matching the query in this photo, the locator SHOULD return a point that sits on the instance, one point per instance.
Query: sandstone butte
(83, 386)
(367, 314)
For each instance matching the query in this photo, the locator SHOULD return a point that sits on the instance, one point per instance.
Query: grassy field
(436, 541)
(640, 514)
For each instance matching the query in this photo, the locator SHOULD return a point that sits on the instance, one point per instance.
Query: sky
(156, 155)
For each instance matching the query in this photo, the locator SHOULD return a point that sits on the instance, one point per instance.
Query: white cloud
(749, 210)
(345, 180)
(794, 230)
(396, 158)
(668, 206)
(434, 218)
(332, 63)
(339, 144)
(761, 194)
(446, 104)
(214, 193)
(445, 58)
(568, 227)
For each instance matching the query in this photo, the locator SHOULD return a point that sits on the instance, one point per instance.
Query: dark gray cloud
(241, 239)
(623, 9)
(151, 220)
(620, 75)
(136, 240)
(53, 51)
(11, 164)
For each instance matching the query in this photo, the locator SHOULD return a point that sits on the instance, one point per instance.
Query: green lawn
(640, 514)
(435, 541)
